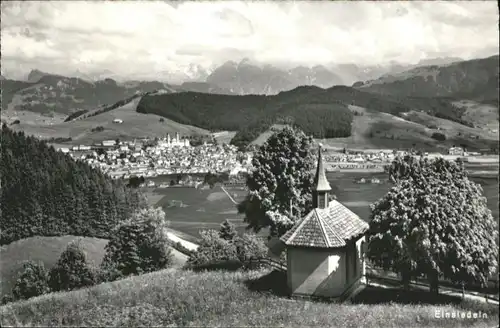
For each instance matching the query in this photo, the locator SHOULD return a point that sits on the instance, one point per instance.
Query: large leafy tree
(435, 222)
(282, 176)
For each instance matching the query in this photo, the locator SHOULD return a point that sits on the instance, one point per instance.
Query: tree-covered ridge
(251, 115)
(322, 113)
(47, 193)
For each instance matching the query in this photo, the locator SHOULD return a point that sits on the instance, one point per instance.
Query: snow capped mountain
(247, 77)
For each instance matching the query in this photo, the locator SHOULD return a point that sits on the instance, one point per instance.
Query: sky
(148, 38)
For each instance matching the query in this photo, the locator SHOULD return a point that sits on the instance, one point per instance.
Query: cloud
(143, 38)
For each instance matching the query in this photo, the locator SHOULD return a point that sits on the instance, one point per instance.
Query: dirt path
(228, 195)
(187, 244)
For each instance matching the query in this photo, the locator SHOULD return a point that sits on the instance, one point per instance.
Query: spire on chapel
(321, 185)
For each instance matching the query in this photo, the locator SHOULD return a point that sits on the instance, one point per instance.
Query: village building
(456, 151)
(108, 143)
(175, 142)
(325, 249)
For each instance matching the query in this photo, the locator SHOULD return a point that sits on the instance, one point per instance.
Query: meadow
(135, 125)
(207, 209)
(176, 297)
(190, 210)
(47, 250)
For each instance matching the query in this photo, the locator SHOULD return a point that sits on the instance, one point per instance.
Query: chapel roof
(331, 227)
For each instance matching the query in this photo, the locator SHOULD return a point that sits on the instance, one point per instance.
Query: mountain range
(474, 79)
(249, 98)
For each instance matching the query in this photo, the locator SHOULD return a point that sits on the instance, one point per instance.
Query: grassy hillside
(48, 250)
(10, 88)
(374, 129)
(228, 299)
(480, 115)
(475, 79)
(135, 125)
(43, 249)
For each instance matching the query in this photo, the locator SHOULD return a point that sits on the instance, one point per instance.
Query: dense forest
(322, 113)
(47, 193)
(251, 115)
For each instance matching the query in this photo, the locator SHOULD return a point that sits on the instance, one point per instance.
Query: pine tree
(227, 231)
(45, 192)
(138, 245)
(72, 270)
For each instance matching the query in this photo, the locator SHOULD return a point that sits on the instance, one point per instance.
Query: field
(135, 125)
(206, 209)
(266, 134)
(233, 299)
(225, 137)
(48, 250)
(358, 197)
(190, 210)
(483, 116)
(32, 118)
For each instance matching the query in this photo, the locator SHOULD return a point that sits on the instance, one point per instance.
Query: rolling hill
(256, 298)
(135, 125)
(372, 129)
(475, 79)
(463, 92)
(310, 107)
(46, 93)
(47, 250)
(53, 93)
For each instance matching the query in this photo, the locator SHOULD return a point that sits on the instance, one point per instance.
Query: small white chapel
(325, 249)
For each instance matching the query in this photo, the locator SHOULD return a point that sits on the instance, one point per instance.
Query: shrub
(249, 247)
(138, 245)
(162, 119)
(98, 129)
(227, 231)
(31, 282)
(7, 299)
(178, 246)
(76, 114)
(438, 136)
(72, 270)
(212, 250)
